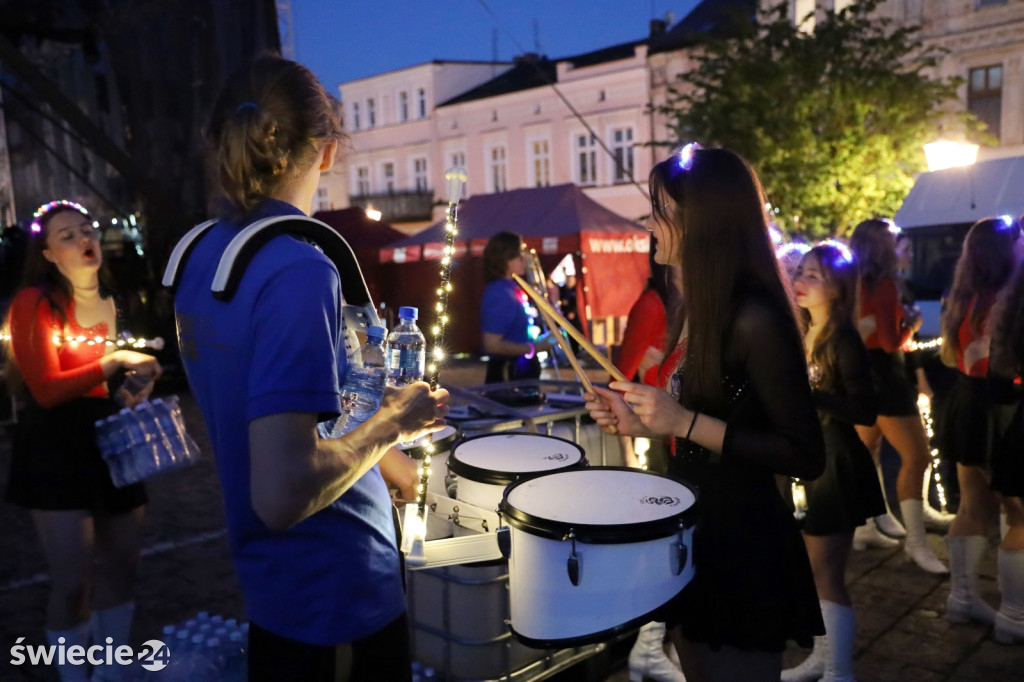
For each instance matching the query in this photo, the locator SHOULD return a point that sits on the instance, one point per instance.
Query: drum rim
(602, 534)
(443, 445)
(594, 638)
(501, 477)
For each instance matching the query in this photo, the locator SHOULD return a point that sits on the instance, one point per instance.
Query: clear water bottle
(235, 666)
(364, 383)
(406, 350)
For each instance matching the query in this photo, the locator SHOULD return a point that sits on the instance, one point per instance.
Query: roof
(965, 195)
(532, 212)
(710, 17)
(359, 231)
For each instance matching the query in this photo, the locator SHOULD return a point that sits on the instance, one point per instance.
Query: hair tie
(246, 105)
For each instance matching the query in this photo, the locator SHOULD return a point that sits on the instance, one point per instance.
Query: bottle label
(408, 361)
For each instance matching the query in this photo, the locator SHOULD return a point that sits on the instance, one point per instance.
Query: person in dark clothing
(739, 412)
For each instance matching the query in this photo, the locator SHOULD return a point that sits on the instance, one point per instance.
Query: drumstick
(576, 334)
(567, 349)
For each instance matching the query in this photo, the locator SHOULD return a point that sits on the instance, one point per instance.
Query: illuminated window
(540, 163)
(498, 172)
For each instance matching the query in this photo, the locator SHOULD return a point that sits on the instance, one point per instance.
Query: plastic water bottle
(235, 666)
(191, 664)
(364, 383)
(406, 350)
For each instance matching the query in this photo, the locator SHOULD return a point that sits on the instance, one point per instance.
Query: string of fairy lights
(455, 177)
(130, 342)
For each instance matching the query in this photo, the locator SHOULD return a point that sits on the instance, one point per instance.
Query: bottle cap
(408, 312)
(375, 332)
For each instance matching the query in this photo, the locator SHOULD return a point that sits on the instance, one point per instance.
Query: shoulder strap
(182, 250)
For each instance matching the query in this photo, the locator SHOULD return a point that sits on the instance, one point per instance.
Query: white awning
(965, 195)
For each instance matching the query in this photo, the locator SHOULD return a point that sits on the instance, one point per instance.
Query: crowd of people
(745, 376)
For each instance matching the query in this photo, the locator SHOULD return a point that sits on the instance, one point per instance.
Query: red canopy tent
(366, 237)
(610, 254)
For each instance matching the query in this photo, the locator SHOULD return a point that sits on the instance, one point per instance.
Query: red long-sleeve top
(645, 327)
(974, 344)
(55, 372)
(880, 320)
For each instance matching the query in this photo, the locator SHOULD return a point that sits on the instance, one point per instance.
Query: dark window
(985, 96)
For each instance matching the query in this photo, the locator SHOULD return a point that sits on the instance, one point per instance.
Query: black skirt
(56, 465)
(1008, 457)
(966, 426)
(897, 396)
(848, 493)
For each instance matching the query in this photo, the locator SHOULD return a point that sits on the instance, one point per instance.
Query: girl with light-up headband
(739, 412)
(56, 468)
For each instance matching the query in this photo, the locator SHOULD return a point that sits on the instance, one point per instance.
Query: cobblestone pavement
(902, 632)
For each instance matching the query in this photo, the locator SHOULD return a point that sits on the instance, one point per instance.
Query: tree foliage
(833, 120)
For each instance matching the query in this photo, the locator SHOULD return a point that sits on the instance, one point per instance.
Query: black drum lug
(505, 541)
(678, 553)
(573, 564)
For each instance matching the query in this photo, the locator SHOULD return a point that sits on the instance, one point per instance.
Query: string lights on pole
(455, 177)
(924, 405)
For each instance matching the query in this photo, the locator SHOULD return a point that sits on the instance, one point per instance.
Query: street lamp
(944, 154)
(372, 213)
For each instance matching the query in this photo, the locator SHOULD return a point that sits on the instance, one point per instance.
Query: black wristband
(692, 422)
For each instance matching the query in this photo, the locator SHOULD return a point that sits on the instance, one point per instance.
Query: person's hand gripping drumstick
(633, 409)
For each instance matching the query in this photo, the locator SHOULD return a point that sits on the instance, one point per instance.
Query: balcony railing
(396, 207)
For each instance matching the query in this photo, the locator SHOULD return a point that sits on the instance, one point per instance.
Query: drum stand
(482, 545)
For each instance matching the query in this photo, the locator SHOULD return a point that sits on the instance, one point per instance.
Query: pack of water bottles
(206, 648)
(150, 438)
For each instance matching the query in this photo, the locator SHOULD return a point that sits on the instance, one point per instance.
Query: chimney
(658, 27)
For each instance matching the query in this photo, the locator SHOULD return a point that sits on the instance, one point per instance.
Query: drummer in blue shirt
(503, 320)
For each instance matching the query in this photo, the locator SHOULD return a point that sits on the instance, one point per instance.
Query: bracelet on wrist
(693, 421)
(533, 351)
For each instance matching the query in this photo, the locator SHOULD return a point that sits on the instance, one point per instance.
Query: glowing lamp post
(948, 154)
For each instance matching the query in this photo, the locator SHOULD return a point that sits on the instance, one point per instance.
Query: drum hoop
(501, 477)
(442, 445)
(601, 534)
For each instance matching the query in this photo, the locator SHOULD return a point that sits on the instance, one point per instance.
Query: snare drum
(486, 464)
(593, 552)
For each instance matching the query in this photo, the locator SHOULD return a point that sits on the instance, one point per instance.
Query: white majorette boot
(647, 657)
(1009, 623)
(840, 625)
(916, 547)
(813, 667)
(115, 623)
(886, 522)
(933, 518)
(76, 636)
(964, 602)
(868, 536)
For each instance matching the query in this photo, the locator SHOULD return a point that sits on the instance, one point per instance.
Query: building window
(371, 113)
(989, 3)
(540, 163)
(586, 160)
(622, 153)
(403, 106)
(419, 174)
(389, 177)
(985, 96)
(458, 159)
(322, 202)
(355, 115)
(498, 175)
(421, 102)
(363, 181)
(803, 15)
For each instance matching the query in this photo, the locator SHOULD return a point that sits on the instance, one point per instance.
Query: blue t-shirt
(502, 312)
(277, 347)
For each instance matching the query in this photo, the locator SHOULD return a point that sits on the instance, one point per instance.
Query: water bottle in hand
(406, 350)
(364, 383)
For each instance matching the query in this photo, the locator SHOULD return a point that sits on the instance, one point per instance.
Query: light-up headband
(684, 157)
(37, 225)
(842, 248)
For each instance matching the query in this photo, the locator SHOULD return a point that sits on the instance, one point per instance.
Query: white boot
(1010, 619)
(933, 518)
(964, 603)
(813, 666)
(76, 636)
(114, 623)
(916, 546)
(886, 522)
(647, 658)
(868, 535)
(840, 626)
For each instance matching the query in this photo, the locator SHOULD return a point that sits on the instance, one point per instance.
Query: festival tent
(366, 237)
(609, 252)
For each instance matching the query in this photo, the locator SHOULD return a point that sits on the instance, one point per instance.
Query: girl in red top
(56, 468)
(886, 326)
(967, 434)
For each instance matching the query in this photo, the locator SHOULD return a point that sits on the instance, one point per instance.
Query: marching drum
(594, 551)
(486, 464)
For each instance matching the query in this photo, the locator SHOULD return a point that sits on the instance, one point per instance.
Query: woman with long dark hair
(885, 325)
(848, 492)
(90, 530)
(967, 426)
(739, 413)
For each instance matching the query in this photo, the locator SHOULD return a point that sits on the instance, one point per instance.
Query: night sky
(343, 40)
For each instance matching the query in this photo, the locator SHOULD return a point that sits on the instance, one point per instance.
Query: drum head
(600, 505)
(502, 458)
(442, 441)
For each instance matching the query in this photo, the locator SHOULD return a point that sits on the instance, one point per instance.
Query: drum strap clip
(573, 565)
